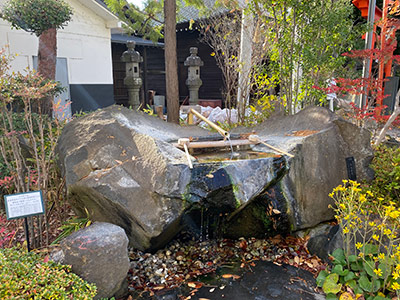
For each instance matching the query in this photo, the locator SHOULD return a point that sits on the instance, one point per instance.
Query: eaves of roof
(121, 38)
(99, 8)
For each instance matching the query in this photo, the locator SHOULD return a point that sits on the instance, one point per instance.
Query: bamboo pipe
(256, 138)
(184, 143)
(222, 132)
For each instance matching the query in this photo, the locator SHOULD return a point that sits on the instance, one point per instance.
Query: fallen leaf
(275, 211)
(276, 239)
(346, 296)
(243, 245)
(231, 276)
(212, 290)
(210, 175)
(315, 262)
(195, 284)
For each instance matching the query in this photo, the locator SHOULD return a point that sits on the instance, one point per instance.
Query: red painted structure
(386, 38)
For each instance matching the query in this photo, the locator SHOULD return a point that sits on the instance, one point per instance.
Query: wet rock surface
(265, 281)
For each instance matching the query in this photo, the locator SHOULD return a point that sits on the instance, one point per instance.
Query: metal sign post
(24, 205)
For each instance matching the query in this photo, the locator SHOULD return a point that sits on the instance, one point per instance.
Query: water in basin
(218, 156)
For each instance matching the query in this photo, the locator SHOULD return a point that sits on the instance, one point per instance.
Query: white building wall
(85, 42)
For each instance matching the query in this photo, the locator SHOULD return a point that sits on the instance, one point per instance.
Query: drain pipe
(225, 134)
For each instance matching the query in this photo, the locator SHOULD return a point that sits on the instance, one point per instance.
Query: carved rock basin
(121, 166)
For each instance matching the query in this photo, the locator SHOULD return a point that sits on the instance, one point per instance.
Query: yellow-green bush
(369, 264)
(26, 275)
(386, 165)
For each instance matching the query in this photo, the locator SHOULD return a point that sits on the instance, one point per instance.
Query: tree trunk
(171, 64)
(47, 58)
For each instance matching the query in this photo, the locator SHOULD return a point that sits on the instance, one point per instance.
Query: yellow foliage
(346, 296)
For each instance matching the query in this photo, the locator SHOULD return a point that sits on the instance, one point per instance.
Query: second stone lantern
(193, 62)
(132, 80)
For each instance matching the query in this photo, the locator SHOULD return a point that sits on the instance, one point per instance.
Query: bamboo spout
(255, 138)
(224, 133)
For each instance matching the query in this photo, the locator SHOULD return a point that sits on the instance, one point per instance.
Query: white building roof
(101, 10)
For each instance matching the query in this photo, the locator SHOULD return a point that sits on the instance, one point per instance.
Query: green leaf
(354, 286)
(352, 258)
(349, 276)
(369, 267)
(331, 296)
(321, 278)
(371, 249)
(380, 298)
(366, 284)
(386, 269)
(356, 266)
(339, 257)
(330, 285)
(338, 269)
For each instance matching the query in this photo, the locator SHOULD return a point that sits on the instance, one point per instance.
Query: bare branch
(396, 112)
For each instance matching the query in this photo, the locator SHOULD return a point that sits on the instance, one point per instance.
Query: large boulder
(98, 254)
(321, 143)
(122, 167)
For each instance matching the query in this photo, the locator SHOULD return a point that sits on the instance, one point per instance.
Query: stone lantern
(193, 62)
(132, 80)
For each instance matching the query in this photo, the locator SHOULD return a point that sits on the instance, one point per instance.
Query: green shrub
(26, 275)
(37, 16)
(369, 263)
(386, 165)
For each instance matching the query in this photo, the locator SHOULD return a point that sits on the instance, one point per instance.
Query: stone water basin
(121, 166)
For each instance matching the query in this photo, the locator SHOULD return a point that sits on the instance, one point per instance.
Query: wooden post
(145, 83)
(171, 64)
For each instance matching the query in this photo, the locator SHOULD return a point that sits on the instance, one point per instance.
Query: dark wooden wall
(210, 74)
(153, 69)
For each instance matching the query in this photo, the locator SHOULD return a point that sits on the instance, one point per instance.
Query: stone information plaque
(24, 205)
